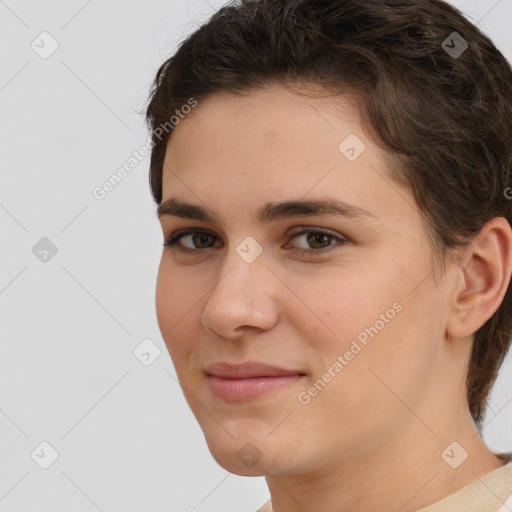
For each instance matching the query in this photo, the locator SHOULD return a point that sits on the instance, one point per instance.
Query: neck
(407, 474)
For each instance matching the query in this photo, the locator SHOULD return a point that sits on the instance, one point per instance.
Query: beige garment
(266, 508)
(491, 493)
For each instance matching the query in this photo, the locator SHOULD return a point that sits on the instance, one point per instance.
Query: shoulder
(267, 507)
(486, 494)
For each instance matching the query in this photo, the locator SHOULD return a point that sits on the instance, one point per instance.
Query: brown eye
(315, 240)
(200, 240)
(319, 240)
(191, 240)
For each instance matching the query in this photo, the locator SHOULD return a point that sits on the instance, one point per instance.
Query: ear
(482, 278)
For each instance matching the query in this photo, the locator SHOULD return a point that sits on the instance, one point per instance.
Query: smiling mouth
(241, 390)
(248, 381)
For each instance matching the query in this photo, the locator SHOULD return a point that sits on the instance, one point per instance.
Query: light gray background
(125, 437)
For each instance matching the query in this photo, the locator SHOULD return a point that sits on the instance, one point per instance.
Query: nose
(244, 298)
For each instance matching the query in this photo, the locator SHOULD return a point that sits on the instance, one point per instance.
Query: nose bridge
(242, 295)
(243, 271)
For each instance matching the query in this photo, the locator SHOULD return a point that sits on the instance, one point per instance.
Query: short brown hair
(445, 117)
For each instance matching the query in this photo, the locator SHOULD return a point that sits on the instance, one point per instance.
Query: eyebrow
(269, 212)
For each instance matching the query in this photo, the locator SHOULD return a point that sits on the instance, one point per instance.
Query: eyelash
(173, 240)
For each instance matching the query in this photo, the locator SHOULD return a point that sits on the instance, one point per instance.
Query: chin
(244, 460)
(242, 445)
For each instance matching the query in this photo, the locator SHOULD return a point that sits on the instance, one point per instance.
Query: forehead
(236, 151)
(272, 114)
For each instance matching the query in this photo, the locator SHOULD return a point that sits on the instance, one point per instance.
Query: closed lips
(236, 383)
(248, 370)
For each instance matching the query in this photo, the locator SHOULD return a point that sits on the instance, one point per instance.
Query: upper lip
(248, 370)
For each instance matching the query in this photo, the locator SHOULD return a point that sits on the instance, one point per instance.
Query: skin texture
(372, 438)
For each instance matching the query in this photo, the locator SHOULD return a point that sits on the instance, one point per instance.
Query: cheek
(177, 300)
(337, 304)
(369, 320)
(165, 299)
(365, 398)
(389, 355)
(176, 293)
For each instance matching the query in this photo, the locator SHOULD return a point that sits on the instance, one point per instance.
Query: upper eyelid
(296, 231)
(300, 230)
(307, 229)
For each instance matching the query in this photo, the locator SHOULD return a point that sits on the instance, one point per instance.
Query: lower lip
(241, 390)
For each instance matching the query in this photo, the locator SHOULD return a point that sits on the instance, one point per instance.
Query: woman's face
(343, 303)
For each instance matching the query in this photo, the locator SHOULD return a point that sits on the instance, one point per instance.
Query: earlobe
(482, 280)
